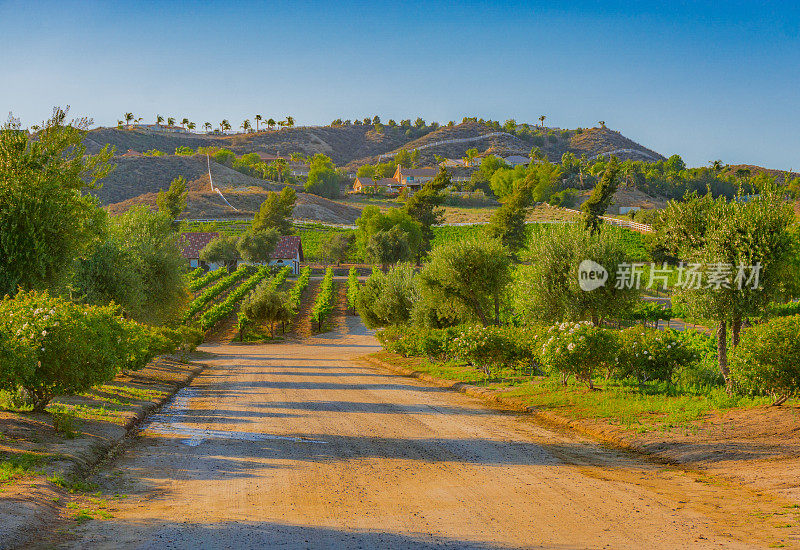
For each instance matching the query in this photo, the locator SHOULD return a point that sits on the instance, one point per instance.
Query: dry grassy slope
(244, 192)
(590, 142)
(593, 141)
(779, 175)
(342, 144)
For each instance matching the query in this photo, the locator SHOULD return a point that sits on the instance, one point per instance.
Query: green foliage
(264, 305)
(650, 354)
(548, 291)
(389, 247)
(211, 293)
(276, 211)
(464, 280)
(296, 293)
(206, 279)
(508, 222)
(578, 349)
(195, 274)
(387, 298)
(767, 359)
(353, 287)
(372, 220)
(154, 153)
(424, 208)
(226, 307)
(258, 246)
(173, 201)
(323, 180)
(50, 346)
(489, 348)
(184, 150)
(336, 247)
(598, 202)
(138, 265)
(224, 156)
(45, 219)
(222, 250)
(323, 305)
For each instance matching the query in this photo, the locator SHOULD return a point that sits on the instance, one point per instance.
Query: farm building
(289, 251)
(192, 243)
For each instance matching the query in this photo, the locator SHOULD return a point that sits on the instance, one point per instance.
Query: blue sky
(704, 80)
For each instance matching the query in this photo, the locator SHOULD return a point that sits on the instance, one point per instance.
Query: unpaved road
(299, 446)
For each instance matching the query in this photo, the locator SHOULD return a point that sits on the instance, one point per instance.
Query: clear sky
(705, 80)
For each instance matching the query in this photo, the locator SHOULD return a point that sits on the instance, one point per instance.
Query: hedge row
(195, 274)
(323, 305)
(569, 349)
(206, 279)
(352, 289)
(211, 293)
(299, 287)
(51, 346)
(227, 306)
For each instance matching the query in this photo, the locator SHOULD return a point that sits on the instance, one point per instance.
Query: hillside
(779, 175)
(137, 181)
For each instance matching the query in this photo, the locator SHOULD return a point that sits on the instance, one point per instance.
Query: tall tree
(424, 206)
(129, 118)
(46, 220)
(289, 121)
(276, 211)
(745, 253)
(171, 121)
(207, 126)
(173, 201)
(159, 120)
(184, 122)
(258, 119)
(541, 119)
(258, 246)
(508, 222)
(601, 196)
(191, 126)
(271, 123)
(245, 125)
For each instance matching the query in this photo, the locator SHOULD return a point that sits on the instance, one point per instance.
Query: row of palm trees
(224, 125)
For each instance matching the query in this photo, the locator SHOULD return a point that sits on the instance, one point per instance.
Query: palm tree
(541, 119)
(602, 123)
(138, 120)
(225, 125)
(191, 126)
(159, 120)
(470, 156)
(289, 121)
(271, 123)
(171, 121)
(119, 124)
(258, 119)
(184, 122)
(128, 118)
(717, 165)
(280, 166)
(207, 126)
(245, 125)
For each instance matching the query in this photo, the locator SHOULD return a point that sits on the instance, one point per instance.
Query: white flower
(44, 333)
(571, 347)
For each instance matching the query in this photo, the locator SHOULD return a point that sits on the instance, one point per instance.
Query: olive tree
(46, 219)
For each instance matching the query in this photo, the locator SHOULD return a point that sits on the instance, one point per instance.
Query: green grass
(21, 465)
(642, 409)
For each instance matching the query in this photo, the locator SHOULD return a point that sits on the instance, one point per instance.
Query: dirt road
(298, 445)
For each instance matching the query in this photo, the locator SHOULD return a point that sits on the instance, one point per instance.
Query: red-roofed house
(289, 251)
(193, 243)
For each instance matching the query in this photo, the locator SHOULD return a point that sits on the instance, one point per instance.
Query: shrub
(487, 348)
(264, 305)
(228, 305)
(702, 374)
(51, 346)
(352, 289)
(649, 354)
(299, 287)
(323, 306)
(184, 150)
(577, 349)
(210, 277)
(387, 298)
(767, 359)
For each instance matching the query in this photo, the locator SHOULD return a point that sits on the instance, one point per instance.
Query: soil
(301, 444)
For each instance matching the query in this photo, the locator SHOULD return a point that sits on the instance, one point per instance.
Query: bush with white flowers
(578, 349)
(51, 346)
(648, 354)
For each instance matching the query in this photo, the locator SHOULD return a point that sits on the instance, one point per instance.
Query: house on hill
(517, 160)
(461, 174)
(192, 243)
(414, 178)
(387, 185)
(289, 251)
